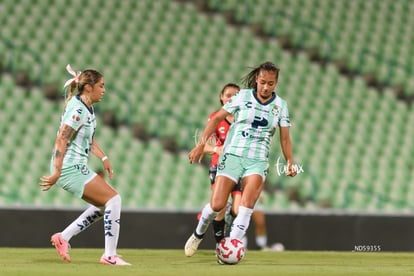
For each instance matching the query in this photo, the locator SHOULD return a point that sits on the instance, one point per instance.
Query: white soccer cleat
(191, 245)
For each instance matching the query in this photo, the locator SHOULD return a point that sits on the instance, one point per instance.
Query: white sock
(241, 223)
(261, 241)
(86, 219)
(112, 217)
(245, 241)
(207, 216)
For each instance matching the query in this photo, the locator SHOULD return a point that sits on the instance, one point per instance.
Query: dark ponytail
(250, 79)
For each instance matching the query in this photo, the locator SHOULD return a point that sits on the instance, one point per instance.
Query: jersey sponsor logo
(248, 104)
(256, 135)
(258, 121)
(222, 130)
(79, 110)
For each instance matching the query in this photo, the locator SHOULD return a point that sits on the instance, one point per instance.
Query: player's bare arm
(98, 152)
(286, 145)
(210, 147)
(64, 137)
(197, 153)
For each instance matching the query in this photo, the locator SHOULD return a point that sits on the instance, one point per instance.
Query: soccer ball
(230, 250)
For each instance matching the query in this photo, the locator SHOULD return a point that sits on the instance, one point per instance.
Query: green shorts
(236, 167)
(74, 178)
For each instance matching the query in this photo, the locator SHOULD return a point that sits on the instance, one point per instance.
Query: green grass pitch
(45, 261)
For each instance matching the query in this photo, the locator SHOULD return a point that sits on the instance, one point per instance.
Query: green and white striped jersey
(254, 124)
(82, 119)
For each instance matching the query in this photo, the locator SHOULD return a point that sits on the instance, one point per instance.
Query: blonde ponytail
(71, 89)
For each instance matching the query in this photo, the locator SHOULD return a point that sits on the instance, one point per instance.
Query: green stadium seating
(351, 140)
(364, 33)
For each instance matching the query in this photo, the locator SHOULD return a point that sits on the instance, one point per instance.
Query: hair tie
(74, 74)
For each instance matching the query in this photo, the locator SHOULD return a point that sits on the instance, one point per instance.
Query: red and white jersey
(220, 136)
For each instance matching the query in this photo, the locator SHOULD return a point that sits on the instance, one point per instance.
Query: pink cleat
(113, 260)
(61, 246)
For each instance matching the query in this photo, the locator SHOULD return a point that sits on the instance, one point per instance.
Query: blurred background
(346, 70)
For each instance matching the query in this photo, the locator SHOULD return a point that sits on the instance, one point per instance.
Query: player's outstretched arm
(286, 145)
(98, 152)
(197, 153)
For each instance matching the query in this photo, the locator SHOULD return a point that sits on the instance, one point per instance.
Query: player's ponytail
(70, 94)
(250, 79)
(72, 83)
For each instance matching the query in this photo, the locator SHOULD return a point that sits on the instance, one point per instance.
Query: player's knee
(248, 203)
(217, 206)
(115, 200)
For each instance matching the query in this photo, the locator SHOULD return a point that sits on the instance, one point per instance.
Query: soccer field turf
(45, 261)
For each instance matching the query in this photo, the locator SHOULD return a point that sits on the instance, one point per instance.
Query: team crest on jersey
(84, 170)
(275, 110)
(221, 166)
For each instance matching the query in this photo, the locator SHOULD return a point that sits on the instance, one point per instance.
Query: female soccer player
(220, 226)
(70, 170)
(215, 148)
(257, 112)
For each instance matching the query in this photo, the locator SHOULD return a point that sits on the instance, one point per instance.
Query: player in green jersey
(257, 111)
(221, 224)
(70, 170)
